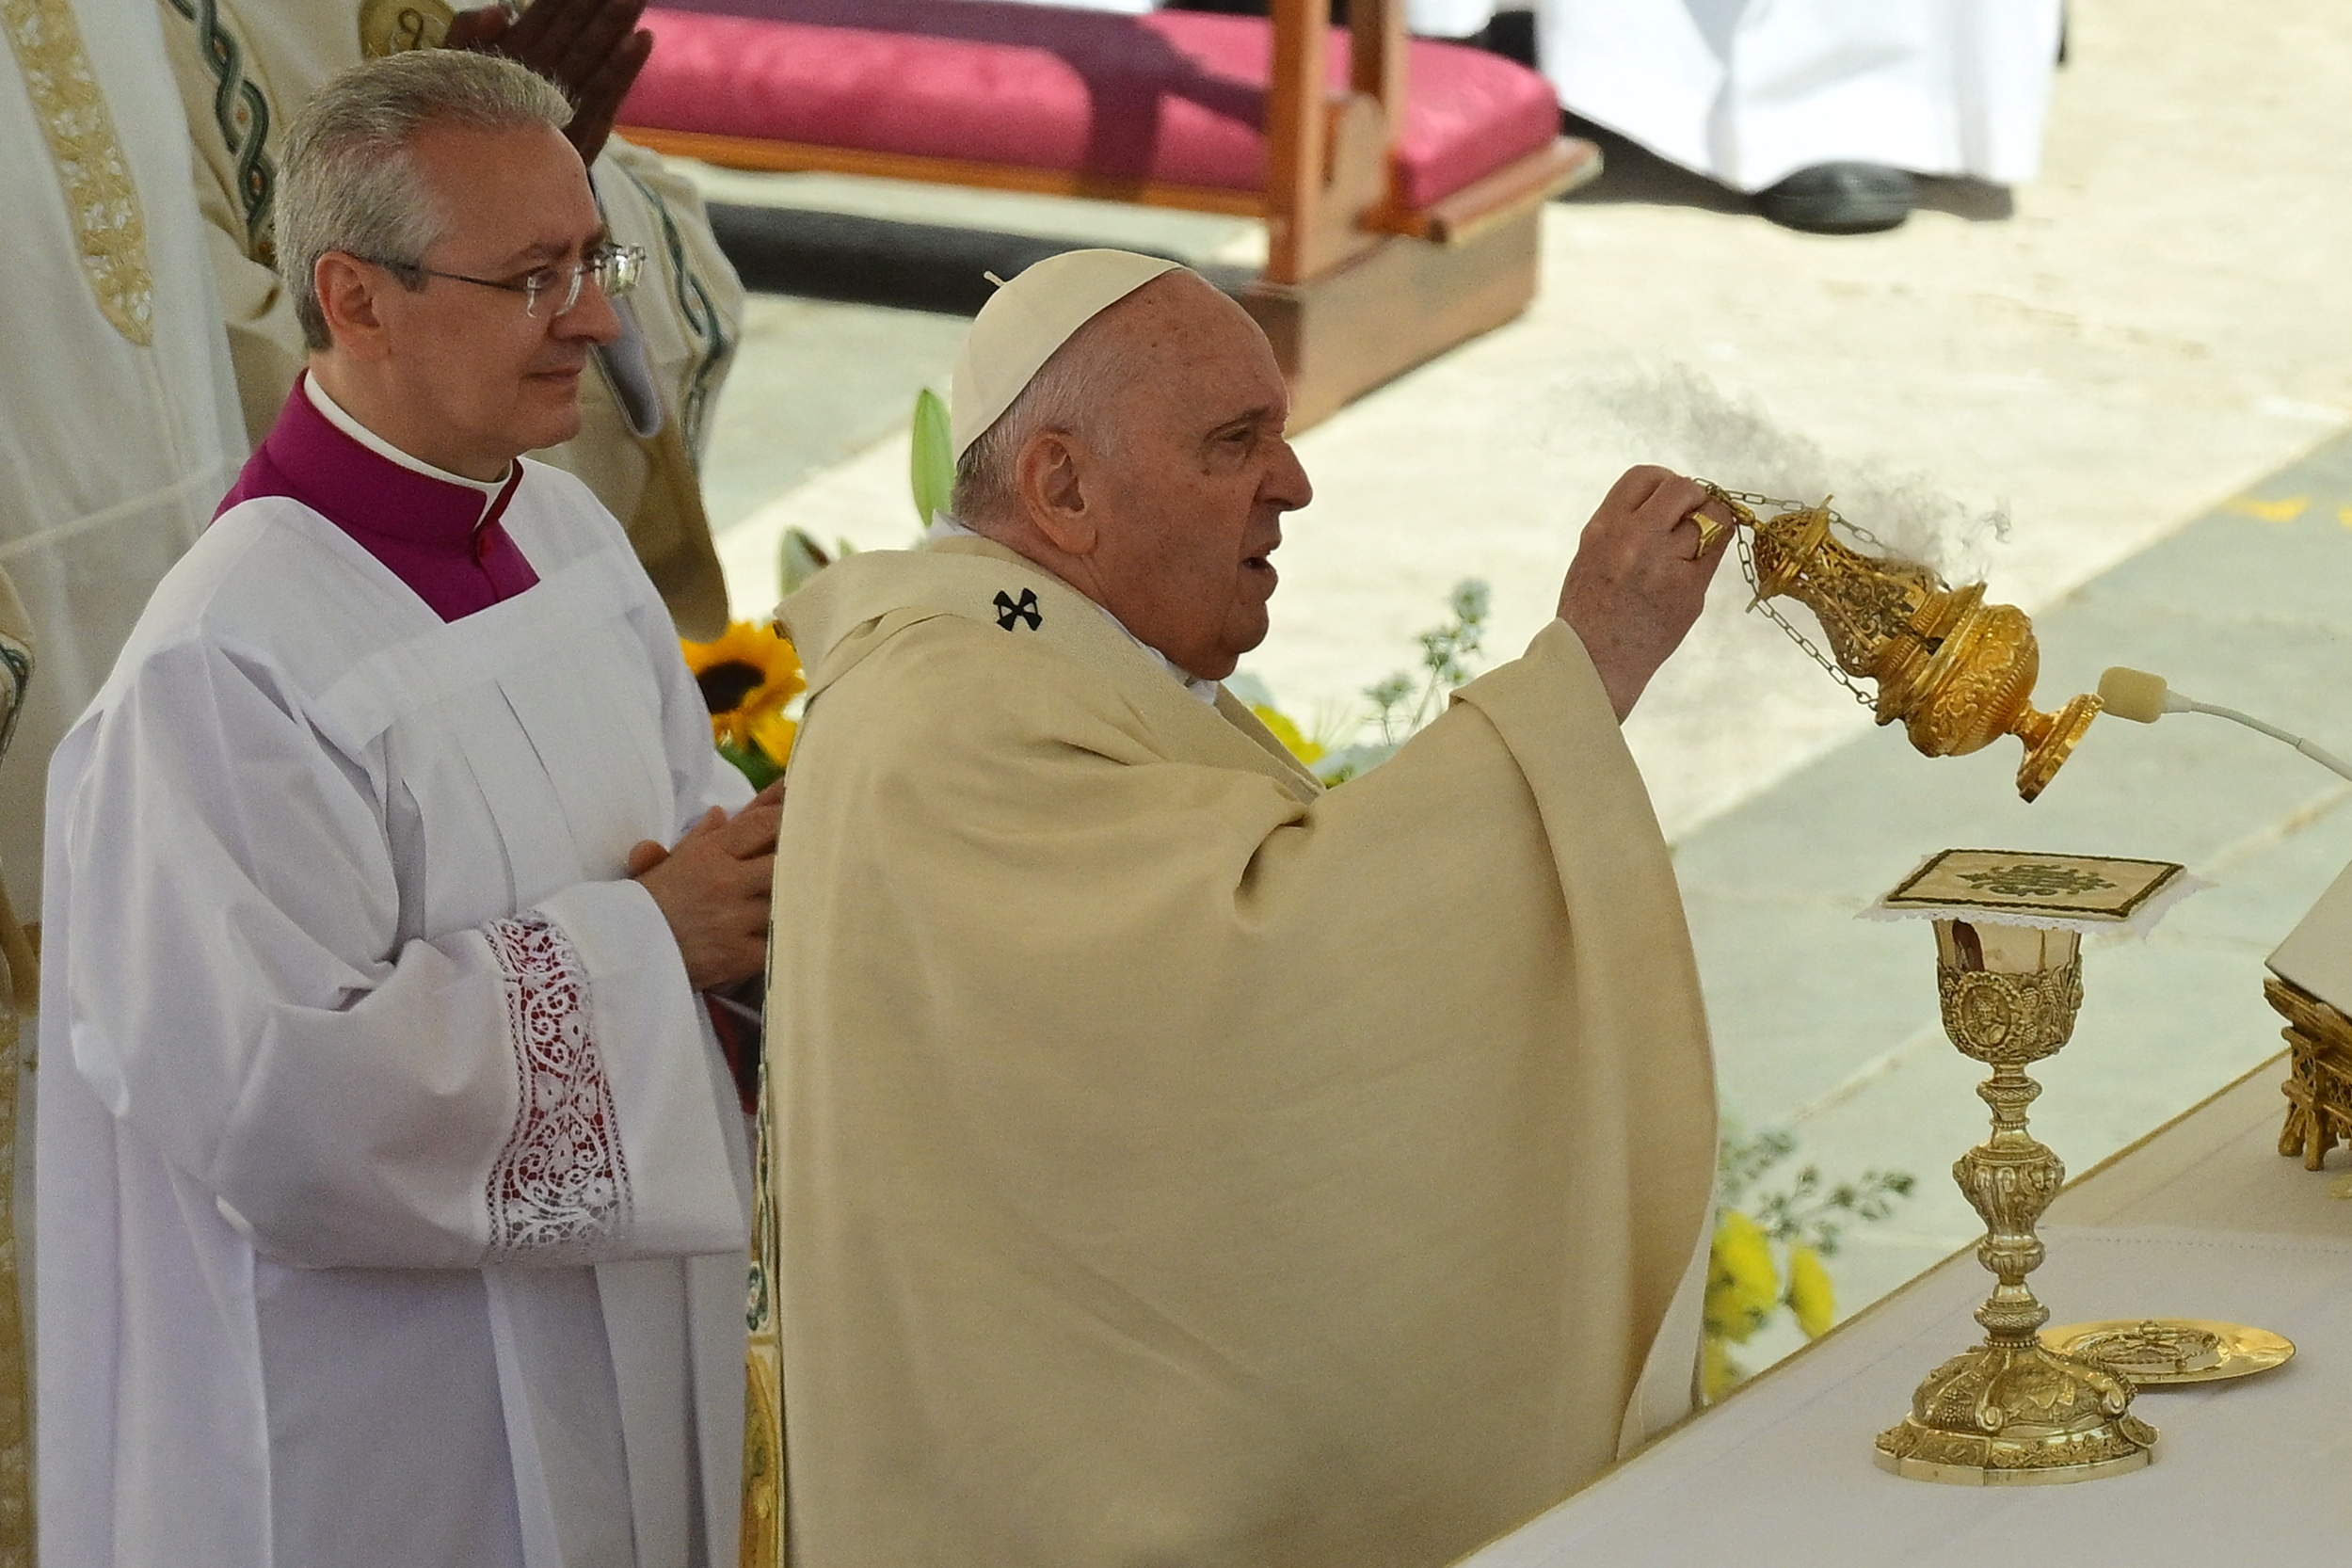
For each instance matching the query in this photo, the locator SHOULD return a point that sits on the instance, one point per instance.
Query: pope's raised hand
(711, 887)
(1639, 579)
(592, 48)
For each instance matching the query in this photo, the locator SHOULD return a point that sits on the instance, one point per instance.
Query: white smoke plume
(1682, 419)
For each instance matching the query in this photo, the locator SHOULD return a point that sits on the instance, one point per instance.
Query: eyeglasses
(615, 267)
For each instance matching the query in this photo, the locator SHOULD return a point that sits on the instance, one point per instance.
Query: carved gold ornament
(2319, 1072)
(1958, 672)
(766, 1495)
(395, 26)
(110, 232)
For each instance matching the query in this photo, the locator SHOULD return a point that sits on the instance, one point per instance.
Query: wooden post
(1296, 135)
(1378, 52)
(1377, 55)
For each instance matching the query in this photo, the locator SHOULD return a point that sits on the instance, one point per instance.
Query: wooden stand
(2319, 1072)
(1359, 286)
(1345, 332)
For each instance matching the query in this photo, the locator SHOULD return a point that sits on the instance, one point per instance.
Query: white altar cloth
(2245, 1471)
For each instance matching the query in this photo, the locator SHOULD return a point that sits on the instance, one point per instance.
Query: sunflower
(1286, 730)
(746, 676)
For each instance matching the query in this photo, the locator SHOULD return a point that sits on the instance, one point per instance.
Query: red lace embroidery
(561, 1186)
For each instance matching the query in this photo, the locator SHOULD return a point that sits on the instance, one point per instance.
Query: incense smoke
(1682, 419)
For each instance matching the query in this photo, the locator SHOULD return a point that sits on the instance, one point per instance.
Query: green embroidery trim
(702, 317)
(242, 113)
(2034, 879)
(16, 673)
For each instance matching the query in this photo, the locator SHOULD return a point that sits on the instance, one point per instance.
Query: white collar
(946, 527)
(384, 449)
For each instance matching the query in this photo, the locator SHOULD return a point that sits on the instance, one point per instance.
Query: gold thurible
(1958, 672)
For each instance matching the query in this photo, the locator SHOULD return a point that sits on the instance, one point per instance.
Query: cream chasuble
(18, 982)
(119, 426)
(392, 1188)
(245, 65)
(1171, 1163)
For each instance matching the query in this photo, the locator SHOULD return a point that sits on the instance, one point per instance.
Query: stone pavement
(2143, 358)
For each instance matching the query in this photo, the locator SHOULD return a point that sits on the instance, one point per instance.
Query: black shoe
(1840, 198)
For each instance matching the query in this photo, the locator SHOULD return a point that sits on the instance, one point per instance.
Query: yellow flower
(1743, 1288)
(1287, 733)
(746, 676)
(772, 734)
(1718, 1374)
(1810, 1296)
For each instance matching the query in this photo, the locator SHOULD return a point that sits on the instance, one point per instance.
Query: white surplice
(394, 1189)
(1749, 92)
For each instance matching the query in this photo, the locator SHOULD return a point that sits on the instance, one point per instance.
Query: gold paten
(2319, 1072)
(1958, 672)
(2156, 1353)
(2012, 1411)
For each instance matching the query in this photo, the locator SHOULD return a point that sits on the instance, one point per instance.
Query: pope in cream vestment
(1173, 1161)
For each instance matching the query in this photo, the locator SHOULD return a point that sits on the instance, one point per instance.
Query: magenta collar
(437, 537)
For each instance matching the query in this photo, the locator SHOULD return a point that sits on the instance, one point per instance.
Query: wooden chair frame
(1359, 286)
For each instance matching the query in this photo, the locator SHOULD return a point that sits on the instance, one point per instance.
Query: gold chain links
(1743, 505)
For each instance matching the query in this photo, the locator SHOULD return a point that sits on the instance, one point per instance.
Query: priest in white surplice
(392, 1186)
(246, 66)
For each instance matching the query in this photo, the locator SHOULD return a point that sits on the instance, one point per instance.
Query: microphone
(2144, 699)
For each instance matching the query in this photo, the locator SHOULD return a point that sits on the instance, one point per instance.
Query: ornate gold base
(2050, 741)
(2003, 1415)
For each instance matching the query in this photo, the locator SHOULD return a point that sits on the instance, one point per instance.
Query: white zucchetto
(1024, 321)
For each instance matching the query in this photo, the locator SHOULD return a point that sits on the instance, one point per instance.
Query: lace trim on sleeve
(560, 1187)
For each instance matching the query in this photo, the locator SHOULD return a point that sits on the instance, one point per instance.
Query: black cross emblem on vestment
(1009, 614)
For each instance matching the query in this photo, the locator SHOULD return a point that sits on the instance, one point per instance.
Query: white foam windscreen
(2134, 695)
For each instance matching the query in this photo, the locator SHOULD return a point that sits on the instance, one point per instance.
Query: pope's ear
(348, 295)
(1050, 479)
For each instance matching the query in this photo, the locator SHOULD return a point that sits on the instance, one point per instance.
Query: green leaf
(800, 559)
(932, 465)
(753, 764)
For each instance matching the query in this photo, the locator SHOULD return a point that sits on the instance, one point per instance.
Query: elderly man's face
(494, 380)
(1195, 478)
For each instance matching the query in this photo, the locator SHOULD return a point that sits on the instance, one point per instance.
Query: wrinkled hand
(712, 889)
(591, 48)
(1634, 590)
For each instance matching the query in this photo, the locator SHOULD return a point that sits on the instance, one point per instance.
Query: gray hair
(1068, 393)
(348, 181)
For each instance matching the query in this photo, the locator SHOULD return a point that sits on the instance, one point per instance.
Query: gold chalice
(1957, 671)
(2012, 1409)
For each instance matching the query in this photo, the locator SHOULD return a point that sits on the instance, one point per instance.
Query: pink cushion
(1174, 96)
